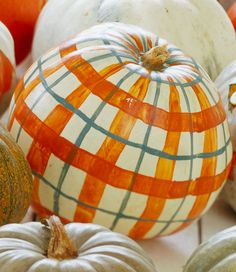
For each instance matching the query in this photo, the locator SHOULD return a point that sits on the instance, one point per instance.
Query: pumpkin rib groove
(4, 158)
(217, 254)
(25, 256)
(18, 176)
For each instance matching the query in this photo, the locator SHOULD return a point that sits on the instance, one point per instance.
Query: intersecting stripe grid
(143, 153)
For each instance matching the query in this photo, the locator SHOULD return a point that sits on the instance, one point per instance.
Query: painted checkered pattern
(143, 153)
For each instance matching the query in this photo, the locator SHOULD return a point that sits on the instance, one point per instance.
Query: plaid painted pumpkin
(142, 152)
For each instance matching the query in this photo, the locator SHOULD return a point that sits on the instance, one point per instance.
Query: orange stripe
(210, 117)
(109, 173)
(110, 151)
(6, 75)
(57, 121)
(152, 210)
(201, 121)
(127, 44)
(202, 97)
(67, 48)
(208, 169)
(149, 42)
(138, 41)
(164, 170)
(22, 92)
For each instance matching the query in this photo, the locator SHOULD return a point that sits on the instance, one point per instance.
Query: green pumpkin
(218, 254)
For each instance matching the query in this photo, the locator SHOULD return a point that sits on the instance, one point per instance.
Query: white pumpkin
(7, 67)
(200, 28)
(226, 84)
(74, 248)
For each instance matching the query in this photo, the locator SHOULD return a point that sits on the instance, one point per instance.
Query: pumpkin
(122, 129)
(74, 247)
(200, 28)
(226, 85)
(20, 18)
(232, 14)
(215, 255)
(7, 67)
(15, 180)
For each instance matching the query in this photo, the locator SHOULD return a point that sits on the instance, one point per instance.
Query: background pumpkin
(215, 255)
(7, 67)
(200, 28)
(15, 180)
(75, 248)
(226, 84)
(232, 14)
(20, 18)
(142, 151)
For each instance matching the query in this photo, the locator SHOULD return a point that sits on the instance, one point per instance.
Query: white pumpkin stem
(60, 246)
(155, 57)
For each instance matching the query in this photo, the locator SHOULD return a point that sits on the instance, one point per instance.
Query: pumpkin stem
(232, 96)
(155, 57)
(60, 246)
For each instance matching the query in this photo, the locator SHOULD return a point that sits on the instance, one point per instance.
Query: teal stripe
(75, 200)
(137, 168)
(171, 220)
(147, 149)
(222, 125)
(101, 38)
(92, 60)
(28, 79)
(132, 42)
(144, 42)
(82, 135)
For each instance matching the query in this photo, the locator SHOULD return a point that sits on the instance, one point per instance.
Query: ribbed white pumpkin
(6, 43)
(25, 247)
(223, 82)
(200, 28)
(215, 255)
(7, 65)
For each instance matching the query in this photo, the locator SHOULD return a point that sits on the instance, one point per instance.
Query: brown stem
(155, 57)
(60, 246)
(232, 96)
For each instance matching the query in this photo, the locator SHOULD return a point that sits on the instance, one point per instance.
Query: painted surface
(142, 152)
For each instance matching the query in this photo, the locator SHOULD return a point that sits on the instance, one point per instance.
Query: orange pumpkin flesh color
(20, 18)
(6, 74)
(232, 14)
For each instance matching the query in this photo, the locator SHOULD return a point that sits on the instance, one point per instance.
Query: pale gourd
(226, 84)
(7, 67)
(122, 129)
(200, 28)
(77, 247)
(215, 255)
